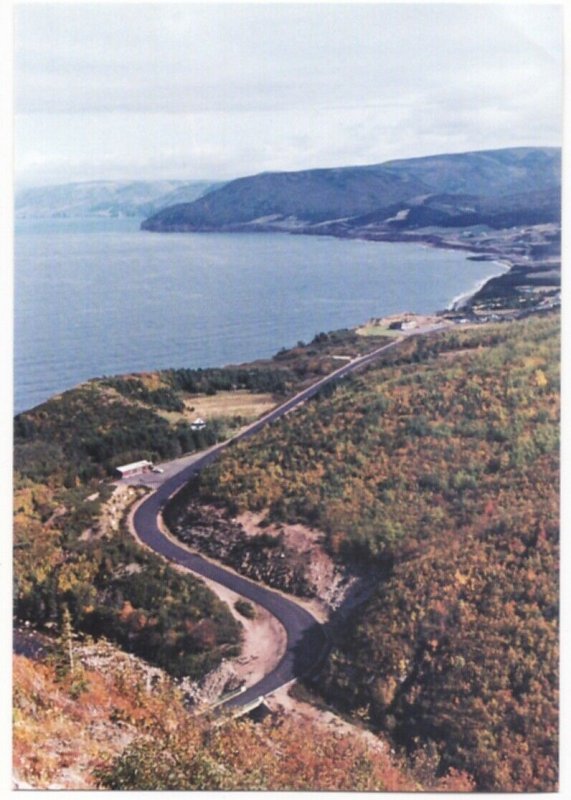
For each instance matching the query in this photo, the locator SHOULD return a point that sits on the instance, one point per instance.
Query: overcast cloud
(213, 91)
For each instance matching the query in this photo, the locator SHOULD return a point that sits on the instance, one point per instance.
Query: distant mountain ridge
(107, 198)
(478, 187)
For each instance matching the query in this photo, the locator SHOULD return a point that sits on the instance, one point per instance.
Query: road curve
(305, 638)
(306, 641)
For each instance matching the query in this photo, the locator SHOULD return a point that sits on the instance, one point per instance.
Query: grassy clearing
(225, 404)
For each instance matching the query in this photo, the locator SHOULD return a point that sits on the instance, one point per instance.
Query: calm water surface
(100, 297)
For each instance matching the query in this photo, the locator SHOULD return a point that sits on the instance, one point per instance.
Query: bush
(245, 608)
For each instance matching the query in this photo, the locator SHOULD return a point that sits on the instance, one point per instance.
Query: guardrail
(224, 698)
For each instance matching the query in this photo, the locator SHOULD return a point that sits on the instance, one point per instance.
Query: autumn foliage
(121, 733)
(437, 468)
(440, 465)
(65, 557)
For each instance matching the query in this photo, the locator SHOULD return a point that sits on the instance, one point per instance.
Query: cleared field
(228, 404)
(223, 404)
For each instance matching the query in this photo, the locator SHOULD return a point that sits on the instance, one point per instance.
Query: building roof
(134, 465)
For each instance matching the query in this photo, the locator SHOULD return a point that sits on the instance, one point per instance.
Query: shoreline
(461, 301)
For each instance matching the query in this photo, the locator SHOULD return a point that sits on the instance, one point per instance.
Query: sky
(209, 91)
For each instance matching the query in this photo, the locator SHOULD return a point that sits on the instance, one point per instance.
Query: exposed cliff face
(289, 557)
(264, 558)
(498, 187)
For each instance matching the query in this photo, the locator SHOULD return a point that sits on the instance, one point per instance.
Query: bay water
(98, 297)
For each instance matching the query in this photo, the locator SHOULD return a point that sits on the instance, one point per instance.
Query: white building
(136, 468)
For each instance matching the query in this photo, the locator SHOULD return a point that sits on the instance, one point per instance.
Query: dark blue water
(99, 297)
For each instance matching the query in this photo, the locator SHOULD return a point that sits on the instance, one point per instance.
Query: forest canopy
(441, 465)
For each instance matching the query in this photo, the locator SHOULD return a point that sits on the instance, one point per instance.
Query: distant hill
(477, 186)
(107, 198)
(310, 196)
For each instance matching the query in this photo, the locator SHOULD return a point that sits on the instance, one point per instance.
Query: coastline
(463, 300)
(460, 302)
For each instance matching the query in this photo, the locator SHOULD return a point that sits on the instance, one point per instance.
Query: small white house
(136, 468)
(198, 424)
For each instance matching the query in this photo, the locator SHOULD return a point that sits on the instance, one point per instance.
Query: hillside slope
(305, 199)
(115, 724)
(69, 553)
(440, 467)
(310, 196)
(91, 716)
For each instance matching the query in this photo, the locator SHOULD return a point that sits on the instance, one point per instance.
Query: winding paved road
(306, 641)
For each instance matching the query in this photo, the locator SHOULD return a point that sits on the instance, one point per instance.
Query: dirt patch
(230, 403)
(290, 558)
(266, 558)
(111, 513)
(296, 535)
(329, 583)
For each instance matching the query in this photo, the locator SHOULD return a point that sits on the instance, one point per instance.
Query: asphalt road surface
(306, 641)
